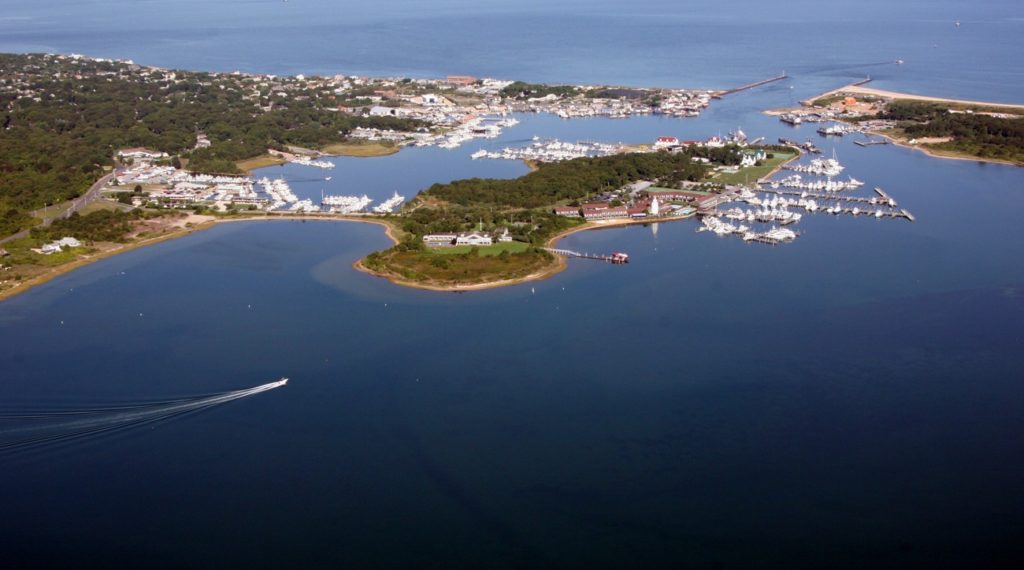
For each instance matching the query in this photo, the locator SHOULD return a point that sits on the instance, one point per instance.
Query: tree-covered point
(558, 182)
(974, 133)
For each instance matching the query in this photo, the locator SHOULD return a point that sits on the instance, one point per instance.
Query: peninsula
(940, 127)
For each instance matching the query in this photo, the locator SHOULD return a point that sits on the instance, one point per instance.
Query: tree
(138, 188)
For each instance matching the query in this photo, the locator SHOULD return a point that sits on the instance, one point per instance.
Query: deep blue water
(695, 43)
(852, 399)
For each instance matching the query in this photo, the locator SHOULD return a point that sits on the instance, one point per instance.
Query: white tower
(653, 210)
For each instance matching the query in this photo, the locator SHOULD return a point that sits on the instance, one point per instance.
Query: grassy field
(485, 250)
(754, 173)
(367, 149)
(98, 205)
(250, 164)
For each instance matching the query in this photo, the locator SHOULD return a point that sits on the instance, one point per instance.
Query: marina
(389, 205)
(345, 204)
(552, 150)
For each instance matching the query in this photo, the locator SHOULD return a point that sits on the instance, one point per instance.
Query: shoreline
(939, 154)
(559, 264)
(807, 105)
(861, 90)
(89, 259)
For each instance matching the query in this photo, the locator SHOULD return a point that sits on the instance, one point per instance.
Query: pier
(829, 196)
(885, 204)
(750, 86)
(616, 258)
(872, 142)
(885, 196)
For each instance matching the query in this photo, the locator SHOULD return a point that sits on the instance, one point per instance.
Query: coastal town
(736, 186)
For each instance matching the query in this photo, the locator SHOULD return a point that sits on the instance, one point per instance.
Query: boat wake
(50, 427)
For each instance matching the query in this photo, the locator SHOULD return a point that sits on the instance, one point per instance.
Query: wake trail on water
(110, 419)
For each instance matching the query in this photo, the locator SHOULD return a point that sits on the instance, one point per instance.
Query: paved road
(82, 201)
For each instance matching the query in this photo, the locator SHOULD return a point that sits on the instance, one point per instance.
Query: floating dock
(886, 208)
(884, 195)
(872, 142)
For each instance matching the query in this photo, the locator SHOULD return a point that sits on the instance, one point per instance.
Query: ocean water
(852, 399)
(695, 43)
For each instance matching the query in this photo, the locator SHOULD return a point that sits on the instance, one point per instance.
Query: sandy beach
(862, 90)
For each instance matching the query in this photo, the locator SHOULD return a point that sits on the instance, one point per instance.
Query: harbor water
(851, 399)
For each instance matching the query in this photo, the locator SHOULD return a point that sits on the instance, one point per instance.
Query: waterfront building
(567, 211)
(605, 213)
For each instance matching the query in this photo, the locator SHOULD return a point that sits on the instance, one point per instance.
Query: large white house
(473, 238)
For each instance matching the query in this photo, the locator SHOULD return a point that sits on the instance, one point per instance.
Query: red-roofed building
(567, 211)
(605, 213)
(665, 142)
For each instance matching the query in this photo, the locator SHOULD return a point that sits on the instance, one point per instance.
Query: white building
(140, 153)
(653, 210)
(473, 238)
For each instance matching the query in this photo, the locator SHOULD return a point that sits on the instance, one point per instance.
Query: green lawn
(752, 174)
(486, 250)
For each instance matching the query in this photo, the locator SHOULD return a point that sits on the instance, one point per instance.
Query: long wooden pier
(616, 258)
(749, 86)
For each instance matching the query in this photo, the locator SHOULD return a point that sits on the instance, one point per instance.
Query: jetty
(616, 258)
(750, 86)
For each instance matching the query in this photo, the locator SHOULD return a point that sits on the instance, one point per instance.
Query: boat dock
(885, 207)
(616, 258)
(749, 86)
(872, 142)
(885, 195)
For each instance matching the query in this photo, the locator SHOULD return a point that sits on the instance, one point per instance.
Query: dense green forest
(559, 182)
(102, 225)
(521, 90)
(61, 121)
(977, 134)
